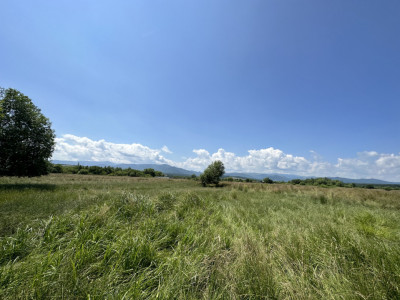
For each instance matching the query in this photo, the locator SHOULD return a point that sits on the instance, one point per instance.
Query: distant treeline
(115, 171)
(95, 170)
(310, 181)
(321, 181)
(327, 182)
(235, 179)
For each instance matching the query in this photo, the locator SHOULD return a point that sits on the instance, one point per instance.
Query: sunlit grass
(71, 236)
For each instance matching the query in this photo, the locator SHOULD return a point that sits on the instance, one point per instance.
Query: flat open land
(96, 237)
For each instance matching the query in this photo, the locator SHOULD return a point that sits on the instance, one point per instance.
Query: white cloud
(370, 165)
(270, 160)
(71, 147)
(367, 164)
(263, 160)
(166, 150)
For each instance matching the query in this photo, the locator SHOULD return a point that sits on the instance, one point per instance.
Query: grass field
(96, 237)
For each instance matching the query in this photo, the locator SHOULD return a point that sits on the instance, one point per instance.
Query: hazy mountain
(174, 171)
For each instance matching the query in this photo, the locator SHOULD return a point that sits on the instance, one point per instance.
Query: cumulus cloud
(370, 165)
(367, 164)
(71, 147)
(166, 150)
(263, 160)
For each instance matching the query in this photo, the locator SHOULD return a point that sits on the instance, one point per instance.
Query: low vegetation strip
(96, 170)
(96, 237)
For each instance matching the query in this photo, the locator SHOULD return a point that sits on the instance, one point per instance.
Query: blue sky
(304, 87)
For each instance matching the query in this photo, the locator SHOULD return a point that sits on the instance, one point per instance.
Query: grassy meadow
(103, 237)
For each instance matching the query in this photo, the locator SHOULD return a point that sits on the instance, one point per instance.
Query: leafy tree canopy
(26, 137)
(213, 173)
(268, 180)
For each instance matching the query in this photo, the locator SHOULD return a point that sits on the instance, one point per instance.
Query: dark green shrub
(268, 180)
(212, 174)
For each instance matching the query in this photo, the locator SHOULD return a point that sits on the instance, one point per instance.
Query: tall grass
(88, 237)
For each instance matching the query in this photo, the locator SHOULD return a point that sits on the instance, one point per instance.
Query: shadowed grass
(21, 187)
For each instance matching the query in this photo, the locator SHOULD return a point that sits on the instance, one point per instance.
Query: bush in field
(83, 172)
(152, 172)
(95, 170)
(135, 173)
(26, 137)
(56, 169)
(213, 173)
(268, 180)
(295, 181)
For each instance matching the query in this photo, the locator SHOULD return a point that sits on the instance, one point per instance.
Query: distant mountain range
(174, 171)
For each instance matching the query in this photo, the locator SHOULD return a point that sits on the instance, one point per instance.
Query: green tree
(213, 173)
(295, 181)
(26, 137)
(56, 168)
(150, 171)
(268, 180)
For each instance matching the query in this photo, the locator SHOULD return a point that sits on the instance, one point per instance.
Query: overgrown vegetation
(94, 237)
(327, 182)
(321, 181)
(96, 170)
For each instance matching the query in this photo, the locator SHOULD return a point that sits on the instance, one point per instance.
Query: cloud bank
(71, 147)
(367, 164)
